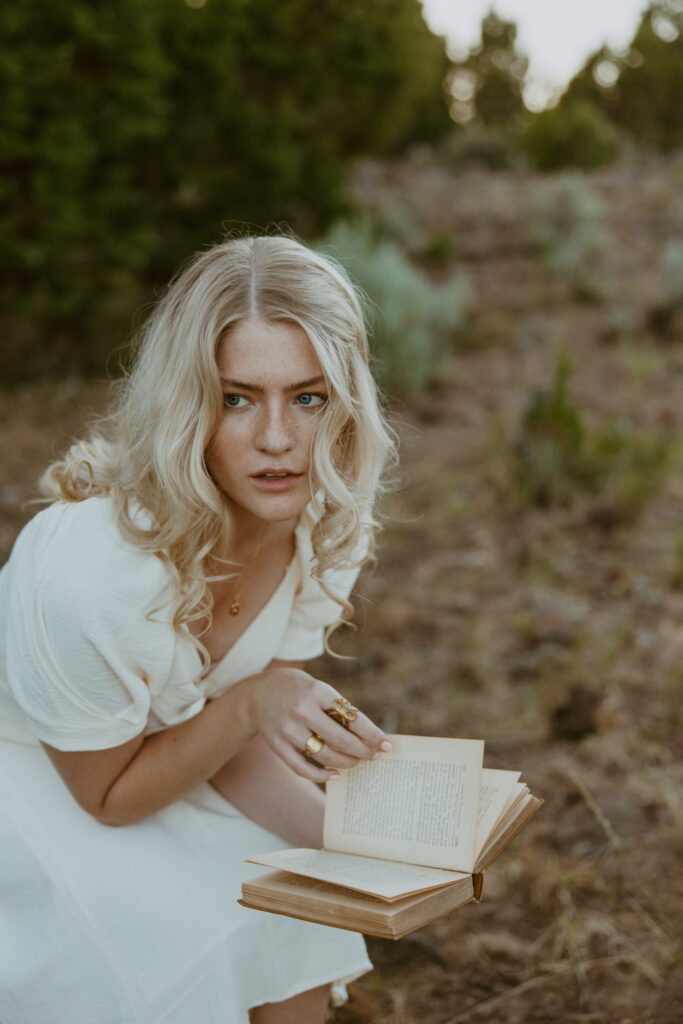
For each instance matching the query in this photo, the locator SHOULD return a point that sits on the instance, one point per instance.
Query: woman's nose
(276, 431)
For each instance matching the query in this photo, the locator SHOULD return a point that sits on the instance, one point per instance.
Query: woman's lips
(274, 481)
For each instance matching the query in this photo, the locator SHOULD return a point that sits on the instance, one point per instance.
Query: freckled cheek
(222, 453)
(229, 437)
(307, 436)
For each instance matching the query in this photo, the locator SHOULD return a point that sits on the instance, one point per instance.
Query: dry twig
(615, 839)
(558, 971)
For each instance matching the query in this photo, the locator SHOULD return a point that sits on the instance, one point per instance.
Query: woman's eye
(310, 400)
(234, 401)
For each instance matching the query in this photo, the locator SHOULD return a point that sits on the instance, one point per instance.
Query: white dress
(140, 924)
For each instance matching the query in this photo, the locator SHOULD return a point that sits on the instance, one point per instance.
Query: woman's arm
(260, 785)
(283, 705)
(125, 784)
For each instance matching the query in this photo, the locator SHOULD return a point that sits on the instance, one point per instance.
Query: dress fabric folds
(140, 924)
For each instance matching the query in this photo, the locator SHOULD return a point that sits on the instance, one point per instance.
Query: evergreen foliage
(495, 147)
(577, 135)
(83, 114)
(486, 87)
(134, 132)
(640, 90)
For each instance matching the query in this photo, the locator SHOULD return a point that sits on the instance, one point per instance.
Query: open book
(406, 840)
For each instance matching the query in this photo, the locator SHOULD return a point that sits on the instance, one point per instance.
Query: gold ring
(343, 711)
(314, 744)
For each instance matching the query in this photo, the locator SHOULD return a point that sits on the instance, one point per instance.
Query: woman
(154, 621)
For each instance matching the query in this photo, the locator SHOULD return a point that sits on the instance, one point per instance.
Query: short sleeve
(313, 610)
(87, 643)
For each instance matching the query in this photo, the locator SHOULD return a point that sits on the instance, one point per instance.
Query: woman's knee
(308, 1007)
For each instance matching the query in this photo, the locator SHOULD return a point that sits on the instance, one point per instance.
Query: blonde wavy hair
(148, 453)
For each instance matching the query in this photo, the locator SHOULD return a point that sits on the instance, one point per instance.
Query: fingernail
(386, 746)
(375, 756)
(334, 775)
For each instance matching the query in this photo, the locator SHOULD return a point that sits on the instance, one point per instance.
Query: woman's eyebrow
(227, 382)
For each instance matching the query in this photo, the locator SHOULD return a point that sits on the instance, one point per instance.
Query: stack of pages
(406, 840)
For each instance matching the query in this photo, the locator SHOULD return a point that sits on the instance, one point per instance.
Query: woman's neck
(249, 533)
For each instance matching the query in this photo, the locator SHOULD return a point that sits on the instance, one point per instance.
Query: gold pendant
(235, 608)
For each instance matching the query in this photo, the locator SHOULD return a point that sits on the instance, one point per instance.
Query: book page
(377, 877)
(496, 790)
(417, 804)
(506, 830)
(300, 885)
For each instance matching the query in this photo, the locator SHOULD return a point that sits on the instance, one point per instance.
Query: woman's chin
(275, 507)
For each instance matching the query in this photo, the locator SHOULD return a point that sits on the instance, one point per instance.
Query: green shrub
(576, 136)
(413, 322)
(558, 459)
(82, 113)
(678, 558)
(550, 453)
(133, 133)
(396, 221)
(567, 227)
(670, 299)
(495, 148)
(628, 468)
(440, 248)
(619, 322)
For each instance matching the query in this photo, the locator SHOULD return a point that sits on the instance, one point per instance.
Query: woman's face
(274, 395)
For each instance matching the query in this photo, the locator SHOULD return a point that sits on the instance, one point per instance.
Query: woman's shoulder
(78, 548)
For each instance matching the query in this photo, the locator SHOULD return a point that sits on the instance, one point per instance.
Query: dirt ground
(553, 633)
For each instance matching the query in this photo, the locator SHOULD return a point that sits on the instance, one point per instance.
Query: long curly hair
(147, 454)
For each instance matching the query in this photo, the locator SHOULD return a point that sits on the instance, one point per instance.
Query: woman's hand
(287, 704)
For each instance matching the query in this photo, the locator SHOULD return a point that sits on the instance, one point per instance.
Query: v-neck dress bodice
(89, 656)
(135, 925)
(245, 656)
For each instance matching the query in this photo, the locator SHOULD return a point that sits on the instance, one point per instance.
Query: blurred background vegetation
(136, 132)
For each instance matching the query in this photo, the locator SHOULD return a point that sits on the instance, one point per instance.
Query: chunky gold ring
(342, 711)
(314, 744)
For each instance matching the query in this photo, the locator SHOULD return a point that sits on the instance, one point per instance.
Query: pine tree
(134, 132)
(641, 89)
(487, 85)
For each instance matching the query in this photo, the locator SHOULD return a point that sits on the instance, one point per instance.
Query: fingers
(308, 715)
(344, 747)
(301, 765)
(346, 741)
(366, 730)
(331, 757)
(349, 718)
(294, 710)
(296, 736)
(359, 737)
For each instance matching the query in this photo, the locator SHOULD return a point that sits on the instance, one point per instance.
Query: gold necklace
(234, 606)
